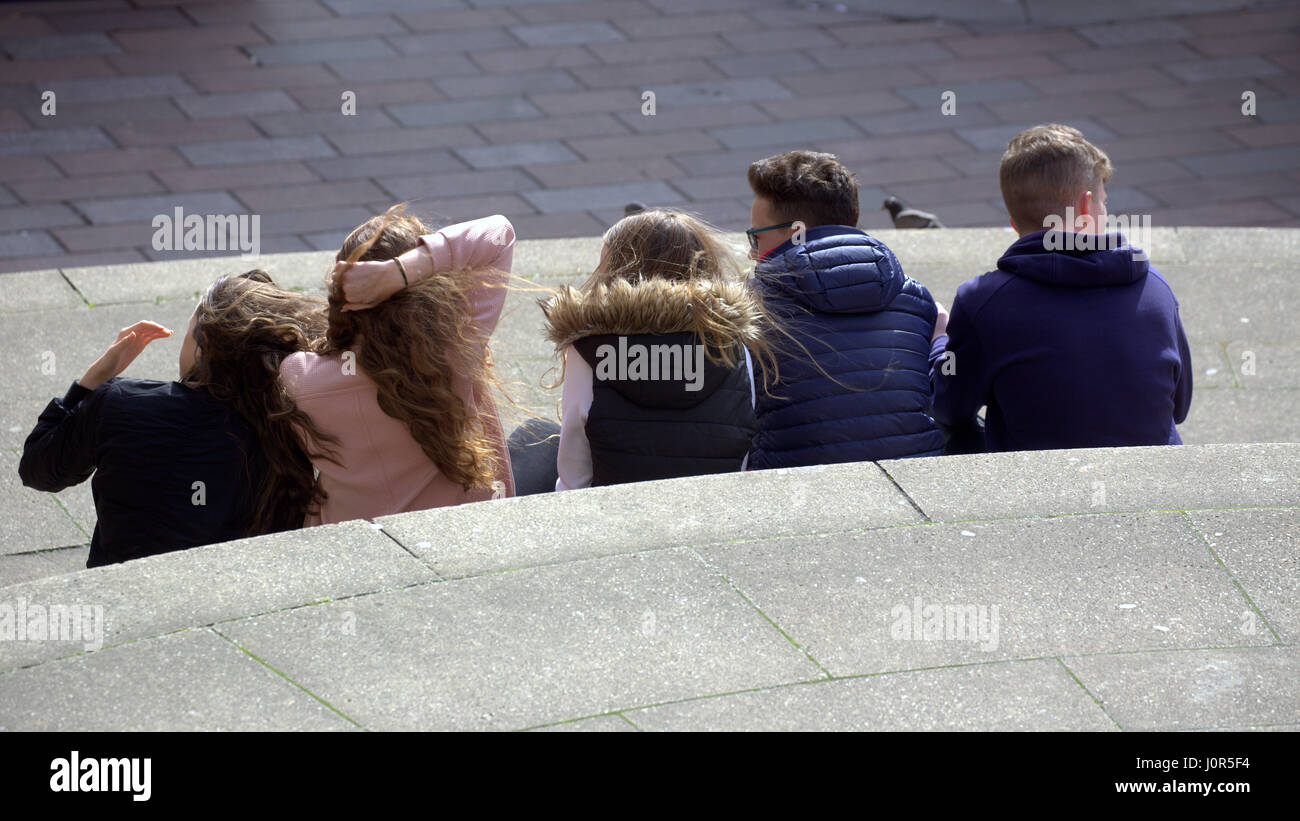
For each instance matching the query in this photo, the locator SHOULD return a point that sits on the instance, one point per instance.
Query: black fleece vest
(645, 420)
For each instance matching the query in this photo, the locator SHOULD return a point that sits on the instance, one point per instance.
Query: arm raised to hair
(483, 246)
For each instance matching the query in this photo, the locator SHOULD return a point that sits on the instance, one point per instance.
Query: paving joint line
(760, 612)
(282, 675)
(906, 495)
(1231, 576)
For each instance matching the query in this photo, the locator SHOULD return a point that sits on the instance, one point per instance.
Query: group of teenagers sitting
(292, 410)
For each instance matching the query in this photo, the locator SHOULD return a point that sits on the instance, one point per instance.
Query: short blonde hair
(1044, 169)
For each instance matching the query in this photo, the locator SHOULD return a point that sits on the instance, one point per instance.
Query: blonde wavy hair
(665, 244)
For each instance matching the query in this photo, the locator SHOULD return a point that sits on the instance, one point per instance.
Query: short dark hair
(809, 186)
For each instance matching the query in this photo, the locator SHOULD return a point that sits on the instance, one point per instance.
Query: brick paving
(534, 109)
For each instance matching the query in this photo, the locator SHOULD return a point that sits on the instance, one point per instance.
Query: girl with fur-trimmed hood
(658, 376)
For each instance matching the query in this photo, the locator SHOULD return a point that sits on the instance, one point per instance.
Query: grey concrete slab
(43, 352)
(523, 392)
(858, 602)
(521, 333)
(78, 503)
(515, 650)
(1195, 689)
(194, 680)
(21, 567)
(16, 422)
(1265, 365)
(1220, 305)
(1018, 696)
(31, 520)
(533, 530)
(599, 724)
(1261, 549)
(36, 290)
(205, 585)
(1237, 415)
(136, 282)
(67, 559)
(1210, 365)
(1100, 480)
(977, 249)
(556, 259)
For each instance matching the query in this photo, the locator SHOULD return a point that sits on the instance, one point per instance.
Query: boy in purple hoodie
(1075, 340)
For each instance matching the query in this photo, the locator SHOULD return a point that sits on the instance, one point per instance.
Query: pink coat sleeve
(485, 247)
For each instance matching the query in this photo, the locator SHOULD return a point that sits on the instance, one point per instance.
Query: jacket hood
(838, 270)
(1078, 261)
(650, 306)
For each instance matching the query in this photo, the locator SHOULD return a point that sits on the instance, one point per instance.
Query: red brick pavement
(534, 109)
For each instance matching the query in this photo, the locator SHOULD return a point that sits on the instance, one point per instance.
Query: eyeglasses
(754, 232)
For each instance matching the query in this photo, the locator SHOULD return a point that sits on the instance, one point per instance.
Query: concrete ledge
(173, 591)
(1099, 480)
(773, 600)
(532, 530)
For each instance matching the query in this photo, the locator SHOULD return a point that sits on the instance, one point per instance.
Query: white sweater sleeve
(753, 399)
(574, 461)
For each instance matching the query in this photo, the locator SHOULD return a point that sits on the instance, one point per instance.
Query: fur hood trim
(652, 306)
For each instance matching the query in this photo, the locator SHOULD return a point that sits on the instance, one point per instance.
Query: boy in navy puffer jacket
(854, 379)
(1075, 340)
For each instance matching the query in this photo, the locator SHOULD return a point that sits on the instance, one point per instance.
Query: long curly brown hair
(245, 326)
(423, 353)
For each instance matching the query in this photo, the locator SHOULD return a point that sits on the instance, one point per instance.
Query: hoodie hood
(1074, 264)
(838, 270)
(651, 306)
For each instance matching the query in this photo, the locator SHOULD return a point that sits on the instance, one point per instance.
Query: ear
(1012, 223)
(1085, 209)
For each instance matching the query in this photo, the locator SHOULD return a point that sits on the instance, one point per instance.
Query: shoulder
(125, 389)
(975, 294)
(1155, 276)
(305, 373)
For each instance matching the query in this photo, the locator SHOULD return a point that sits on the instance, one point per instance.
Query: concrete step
(791, 599)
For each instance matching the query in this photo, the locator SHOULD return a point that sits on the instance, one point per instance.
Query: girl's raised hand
(128, 345)
(366, 284)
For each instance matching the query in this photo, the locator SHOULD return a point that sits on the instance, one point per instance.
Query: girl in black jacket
(191, 462)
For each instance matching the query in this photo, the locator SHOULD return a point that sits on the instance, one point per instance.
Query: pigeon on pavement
(905, 217)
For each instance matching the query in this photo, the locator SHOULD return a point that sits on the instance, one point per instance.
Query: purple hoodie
(1068, 349)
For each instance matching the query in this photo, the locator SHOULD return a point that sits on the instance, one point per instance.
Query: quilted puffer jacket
(854, 381)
